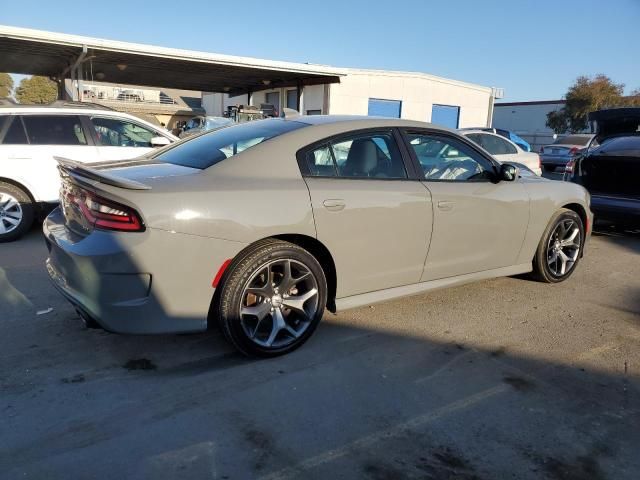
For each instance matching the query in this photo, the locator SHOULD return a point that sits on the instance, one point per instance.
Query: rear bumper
(142, 283)
(555, 162)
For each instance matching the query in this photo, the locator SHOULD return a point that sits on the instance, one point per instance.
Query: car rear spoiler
(83, 173)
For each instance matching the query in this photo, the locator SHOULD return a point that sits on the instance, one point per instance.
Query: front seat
(362, 159)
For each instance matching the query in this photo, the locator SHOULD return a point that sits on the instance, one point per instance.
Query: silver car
(261, 226)
(563, 150)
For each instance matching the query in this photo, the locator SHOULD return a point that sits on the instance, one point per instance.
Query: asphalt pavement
(502, 379)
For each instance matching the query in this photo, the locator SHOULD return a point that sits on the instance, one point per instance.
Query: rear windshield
(573, 140)
(210, 148)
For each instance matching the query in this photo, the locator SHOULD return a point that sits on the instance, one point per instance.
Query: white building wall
(527, 119)
(417, 92)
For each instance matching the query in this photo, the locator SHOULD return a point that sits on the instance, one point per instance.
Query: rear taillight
(570, 166)
(106, 214)
(573, 151)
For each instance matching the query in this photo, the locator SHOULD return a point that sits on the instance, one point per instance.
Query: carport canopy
(62, 56)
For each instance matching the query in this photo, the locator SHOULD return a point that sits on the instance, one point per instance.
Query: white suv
(30, 138)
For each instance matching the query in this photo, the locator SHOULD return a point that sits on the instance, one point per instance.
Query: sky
(532, 49)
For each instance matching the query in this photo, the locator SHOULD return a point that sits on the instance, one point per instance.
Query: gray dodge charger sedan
(263, 225)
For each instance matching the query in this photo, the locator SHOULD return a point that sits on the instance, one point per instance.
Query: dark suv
(610, 168)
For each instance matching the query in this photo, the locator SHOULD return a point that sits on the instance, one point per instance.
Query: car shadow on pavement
(435, 388)
(626, 238)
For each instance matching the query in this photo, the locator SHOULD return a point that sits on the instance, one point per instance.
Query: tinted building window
(445, 115)
(384, 108)
(54, 130)
(292, 99)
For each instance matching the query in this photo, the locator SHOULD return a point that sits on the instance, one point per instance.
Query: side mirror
(508, 173)
(159, 141)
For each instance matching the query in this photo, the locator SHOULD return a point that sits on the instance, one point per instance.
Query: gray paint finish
(390, 233)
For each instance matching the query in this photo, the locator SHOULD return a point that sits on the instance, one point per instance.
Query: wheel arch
(21, 186)
(310, 244)
(316, 248)
(582, 213)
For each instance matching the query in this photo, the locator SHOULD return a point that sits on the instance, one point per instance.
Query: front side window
(210, 148)
(15, 134)
(443, 158)
(54, 129)
(112, 132)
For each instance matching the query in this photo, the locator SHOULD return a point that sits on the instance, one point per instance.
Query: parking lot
(506, 378)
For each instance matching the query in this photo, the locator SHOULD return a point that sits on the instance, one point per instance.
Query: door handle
(334, 205)
(445, 205)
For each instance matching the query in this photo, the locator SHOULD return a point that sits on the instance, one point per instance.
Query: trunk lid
(88, 196)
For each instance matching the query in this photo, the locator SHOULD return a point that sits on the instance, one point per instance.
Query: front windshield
(206, 150)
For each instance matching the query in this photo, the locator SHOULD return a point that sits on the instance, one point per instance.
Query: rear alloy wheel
(272, 299)
(560, 248)
(16, 212)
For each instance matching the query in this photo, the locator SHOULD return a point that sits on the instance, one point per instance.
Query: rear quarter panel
(255, 194)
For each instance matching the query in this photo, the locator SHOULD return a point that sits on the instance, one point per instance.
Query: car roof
(465, 131)
(362, 121)
(74, 108)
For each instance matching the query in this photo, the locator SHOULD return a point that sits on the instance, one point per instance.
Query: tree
(6, 85)
(36, 90)
(587, 95)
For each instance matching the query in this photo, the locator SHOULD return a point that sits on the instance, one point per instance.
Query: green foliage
(36, 90)
(6, 85)
(588, 95)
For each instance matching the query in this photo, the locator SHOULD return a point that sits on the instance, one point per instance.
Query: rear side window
(320, 162)
(365, 155)
(111, 132)
(15, 134)
(54, 130)
(206, 150)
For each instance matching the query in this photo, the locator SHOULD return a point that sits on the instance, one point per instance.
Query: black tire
(542, 269)
(268, 254)
(26, 211)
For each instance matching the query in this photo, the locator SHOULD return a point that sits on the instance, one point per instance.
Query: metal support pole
(300, 98)
(249, 97)
(76, 74)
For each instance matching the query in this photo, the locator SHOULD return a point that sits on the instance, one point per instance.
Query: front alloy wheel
(560, 247)
(563, 247)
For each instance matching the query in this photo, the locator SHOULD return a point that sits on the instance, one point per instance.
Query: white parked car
(30, 138)
(504, 150)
